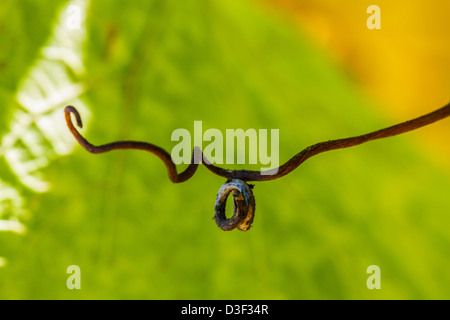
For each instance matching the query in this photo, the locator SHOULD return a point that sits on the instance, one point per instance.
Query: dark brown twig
(315, 149)
(248, 175)
(244, 201)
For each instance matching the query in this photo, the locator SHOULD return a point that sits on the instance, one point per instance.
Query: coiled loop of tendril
(244, 206)
(244, 201)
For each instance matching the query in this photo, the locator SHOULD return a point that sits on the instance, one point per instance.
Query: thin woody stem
(247, 175)
(315, 149)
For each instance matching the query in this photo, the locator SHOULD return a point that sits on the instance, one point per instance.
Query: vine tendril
(237, 179)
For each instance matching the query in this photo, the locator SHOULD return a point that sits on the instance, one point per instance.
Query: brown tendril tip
(244, 203)
(174, 176)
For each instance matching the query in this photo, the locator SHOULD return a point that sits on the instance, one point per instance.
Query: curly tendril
(244, 203)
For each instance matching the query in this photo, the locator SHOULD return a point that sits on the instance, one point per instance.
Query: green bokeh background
(155, 66)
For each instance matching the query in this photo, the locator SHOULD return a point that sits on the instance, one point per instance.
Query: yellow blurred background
(404, 66)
